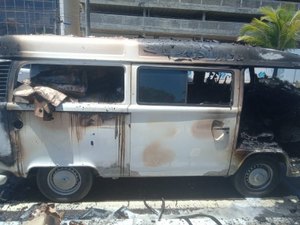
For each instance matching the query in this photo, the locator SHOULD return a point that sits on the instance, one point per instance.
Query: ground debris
(245, 211)
(75, 223)
(42, 214)
(93, 212)
(124, 213)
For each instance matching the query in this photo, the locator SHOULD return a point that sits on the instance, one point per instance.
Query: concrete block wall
(200, 19)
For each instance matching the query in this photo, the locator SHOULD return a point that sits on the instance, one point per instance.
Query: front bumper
(3, 179)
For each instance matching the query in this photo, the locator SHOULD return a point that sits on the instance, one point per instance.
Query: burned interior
(270, 116)
(47, 86)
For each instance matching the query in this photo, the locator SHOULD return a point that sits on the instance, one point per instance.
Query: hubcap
(64, 181)
(259, 176)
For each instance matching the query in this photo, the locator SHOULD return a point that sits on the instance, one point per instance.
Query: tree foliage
(277, 28)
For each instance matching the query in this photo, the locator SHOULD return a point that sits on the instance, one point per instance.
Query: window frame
(187, 68)
(73, 106)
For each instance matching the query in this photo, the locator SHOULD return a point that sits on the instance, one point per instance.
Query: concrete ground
(188, 200)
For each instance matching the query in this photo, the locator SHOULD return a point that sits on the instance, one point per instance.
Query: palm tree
(277, 29)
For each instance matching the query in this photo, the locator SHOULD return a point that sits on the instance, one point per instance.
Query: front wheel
(257, 177)
(64, 184)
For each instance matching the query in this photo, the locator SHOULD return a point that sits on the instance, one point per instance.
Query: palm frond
(278, 29)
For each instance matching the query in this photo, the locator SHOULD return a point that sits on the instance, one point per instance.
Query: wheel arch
(32, 171)
(258, 175)
(64, 183)
(280, 157)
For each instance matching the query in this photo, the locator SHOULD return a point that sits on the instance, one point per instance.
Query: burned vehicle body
(73, 108)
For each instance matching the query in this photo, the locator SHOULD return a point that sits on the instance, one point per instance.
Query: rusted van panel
(134, 107)
(183, 140)
(94, 140)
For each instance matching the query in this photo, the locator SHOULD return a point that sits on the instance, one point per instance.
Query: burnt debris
(270, 117)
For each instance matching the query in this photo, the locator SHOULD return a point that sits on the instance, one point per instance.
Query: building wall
(198, 19)
(29, 17)
(40, 17)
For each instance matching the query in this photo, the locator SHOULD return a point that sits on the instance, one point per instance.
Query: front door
(183, 120)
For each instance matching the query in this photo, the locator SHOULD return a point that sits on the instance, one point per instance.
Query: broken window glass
(47, 86)
(102, 84)
(271, 109)
(184, 87)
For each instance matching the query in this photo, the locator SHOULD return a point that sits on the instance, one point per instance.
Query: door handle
(221, 128)
(218, 130)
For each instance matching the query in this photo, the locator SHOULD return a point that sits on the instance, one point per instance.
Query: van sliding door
(183, 120)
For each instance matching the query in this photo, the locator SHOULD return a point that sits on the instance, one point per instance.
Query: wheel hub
(258, 177)
(64, 181)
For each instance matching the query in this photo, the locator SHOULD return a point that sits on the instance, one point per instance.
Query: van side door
(183, 120)
(89, 125)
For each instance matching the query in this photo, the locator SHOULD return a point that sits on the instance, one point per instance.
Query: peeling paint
(80, 121)
(120, 123)
(271, 56)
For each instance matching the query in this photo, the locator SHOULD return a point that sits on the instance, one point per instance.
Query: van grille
(4, 70)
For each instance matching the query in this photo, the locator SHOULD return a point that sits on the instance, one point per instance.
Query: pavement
(247, 211)
(186, 201)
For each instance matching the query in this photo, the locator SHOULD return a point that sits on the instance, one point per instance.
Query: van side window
(102, 84)
(184, 87)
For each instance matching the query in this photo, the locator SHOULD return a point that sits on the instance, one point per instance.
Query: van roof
(142, 51)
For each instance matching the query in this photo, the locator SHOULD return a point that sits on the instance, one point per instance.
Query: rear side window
(167, 86)
(101, 84)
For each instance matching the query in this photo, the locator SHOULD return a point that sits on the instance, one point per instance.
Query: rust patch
(171, 132)
(88, 119)
(75, 128)
(80, 121)
(202, 129)
(239, 156)
(120, 133)
(155, 155)
(216, 173)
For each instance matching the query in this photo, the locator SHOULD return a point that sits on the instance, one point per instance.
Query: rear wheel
(64, 184)
(257, 177)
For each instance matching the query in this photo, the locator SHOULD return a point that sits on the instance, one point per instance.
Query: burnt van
(76, 108)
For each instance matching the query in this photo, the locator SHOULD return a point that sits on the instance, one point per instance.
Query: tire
(64, 184)
(257, 177)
